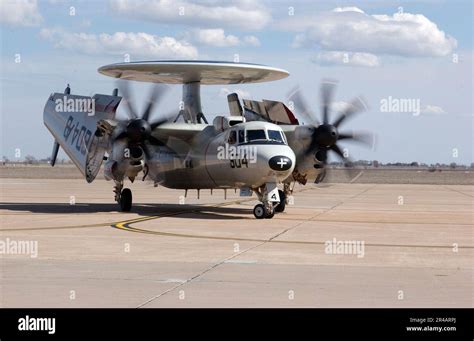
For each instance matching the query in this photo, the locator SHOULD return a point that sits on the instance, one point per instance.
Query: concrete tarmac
(338, 245)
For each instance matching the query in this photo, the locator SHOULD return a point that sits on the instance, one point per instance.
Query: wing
(73, 122)
(180, 137)
(181, 131)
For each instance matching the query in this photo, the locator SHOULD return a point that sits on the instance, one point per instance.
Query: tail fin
(234, 105)
(72, 120)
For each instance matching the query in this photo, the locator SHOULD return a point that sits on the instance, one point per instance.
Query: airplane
(258, 147)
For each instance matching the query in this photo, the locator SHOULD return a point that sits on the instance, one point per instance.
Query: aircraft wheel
(125, 200)
(270, 214)
(280, 207)
(259, 211)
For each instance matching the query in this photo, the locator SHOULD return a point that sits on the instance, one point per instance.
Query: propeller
(138, 128)
(324, 136)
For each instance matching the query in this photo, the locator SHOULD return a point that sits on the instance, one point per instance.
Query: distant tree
(375, 163)
(45, 159)
(452, 165)
(30, 159)
(414, 164)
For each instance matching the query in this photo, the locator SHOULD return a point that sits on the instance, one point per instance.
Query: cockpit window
(275, 135)
(232, 137)
(241, 136)
(256, 135)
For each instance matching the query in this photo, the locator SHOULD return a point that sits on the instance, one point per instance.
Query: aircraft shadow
(168, 210)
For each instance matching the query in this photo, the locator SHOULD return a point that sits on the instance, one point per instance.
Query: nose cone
(276, 162)
(267, 163)
(280, 163)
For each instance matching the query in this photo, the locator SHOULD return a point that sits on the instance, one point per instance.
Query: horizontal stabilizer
(270, 111)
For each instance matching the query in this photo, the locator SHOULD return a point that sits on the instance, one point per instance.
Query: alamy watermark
(66, 104)
(28, 323)
(229, 152)
(345, 247)
(19, 247)
(403, 105)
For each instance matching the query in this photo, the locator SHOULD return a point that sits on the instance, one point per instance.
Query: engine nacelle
(132, 164)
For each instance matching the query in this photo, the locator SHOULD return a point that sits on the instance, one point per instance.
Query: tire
(282, 204)
(126, 200)
(270, 214)
(259, 211)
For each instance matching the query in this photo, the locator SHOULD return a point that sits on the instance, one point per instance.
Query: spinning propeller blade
(324, 137)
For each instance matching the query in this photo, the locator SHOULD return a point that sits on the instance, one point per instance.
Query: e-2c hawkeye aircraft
(259, 146)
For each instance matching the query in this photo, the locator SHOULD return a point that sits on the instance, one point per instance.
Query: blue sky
(378, 49)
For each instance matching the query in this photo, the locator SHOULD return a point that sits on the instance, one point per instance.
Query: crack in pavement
(215, 265)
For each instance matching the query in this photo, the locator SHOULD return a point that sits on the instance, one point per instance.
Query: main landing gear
(123, 196)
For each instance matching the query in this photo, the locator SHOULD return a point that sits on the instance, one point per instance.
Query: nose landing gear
(269, 197)
(282, 204)
(260, 212)
(285, 197)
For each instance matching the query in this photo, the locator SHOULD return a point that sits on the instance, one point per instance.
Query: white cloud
(432, 109)
(241, 93)
(341, 58)
(244, 14)
(140, 44)
(20, 13)
(350, 29)
(217, 37)
(347, 9)
(251, 41)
